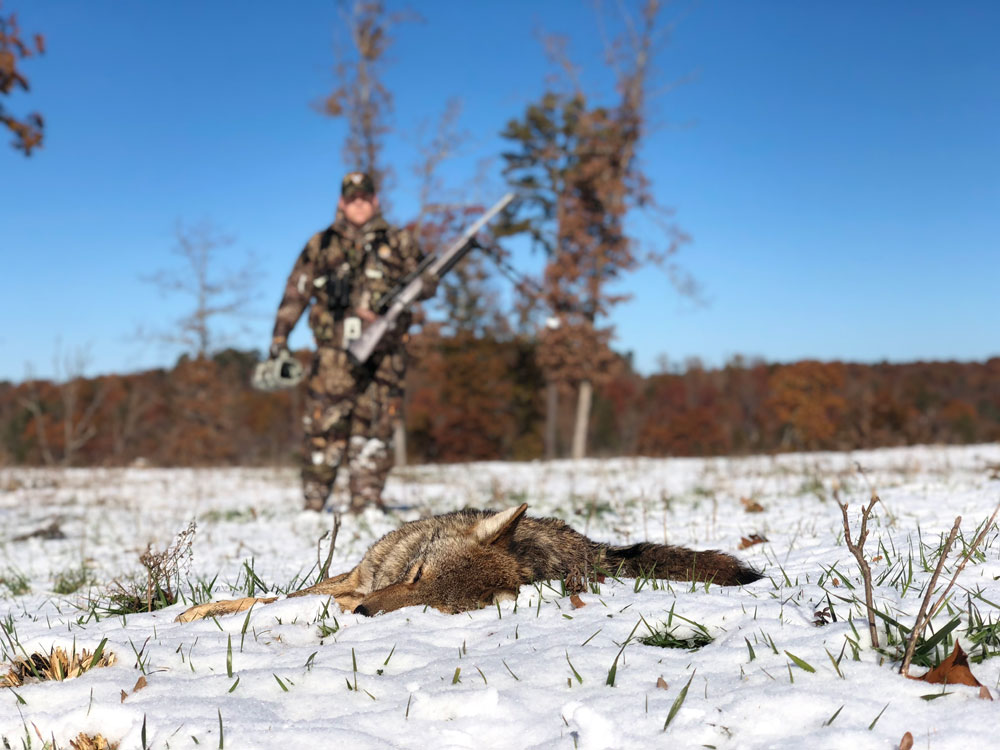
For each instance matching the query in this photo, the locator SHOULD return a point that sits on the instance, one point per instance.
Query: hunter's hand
(366, 315)
(429, 285)
(278, 348)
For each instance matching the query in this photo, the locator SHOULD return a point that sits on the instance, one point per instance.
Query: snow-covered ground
(531, 674)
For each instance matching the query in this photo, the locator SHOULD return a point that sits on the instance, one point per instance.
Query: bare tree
(81, 401)
(34, 403)
(129, 414)
(75, 422)
(215, 292)
(360, 96)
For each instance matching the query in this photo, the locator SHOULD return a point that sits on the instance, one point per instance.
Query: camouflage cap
(355, 184)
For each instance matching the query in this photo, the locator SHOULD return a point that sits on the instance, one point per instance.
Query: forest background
(500, 374)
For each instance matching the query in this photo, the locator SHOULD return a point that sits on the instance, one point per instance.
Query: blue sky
(836, 164)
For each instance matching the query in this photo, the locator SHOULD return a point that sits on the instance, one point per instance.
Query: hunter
(344, 271)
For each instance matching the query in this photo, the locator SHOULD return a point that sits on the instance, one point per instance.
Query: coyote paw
(216, 609)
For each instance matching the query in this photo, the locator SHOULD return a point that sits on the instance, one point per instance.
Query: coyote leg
(343, 588)
(214, 609)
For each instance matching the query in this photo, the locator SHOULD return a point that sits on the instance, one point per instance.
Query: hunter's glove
(281, 370)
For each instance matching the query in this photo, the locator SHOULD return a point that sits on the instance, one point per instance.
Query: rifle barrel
(406, 293)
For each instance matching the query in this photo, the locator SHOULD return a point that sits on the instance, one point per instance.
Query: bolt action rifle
(410, 288)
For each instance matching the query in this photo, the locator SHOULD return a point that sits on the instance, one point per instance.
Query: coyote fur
(472, 558)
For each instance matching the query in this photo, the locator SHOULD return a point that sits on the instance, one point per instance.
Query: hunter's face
(359, 209)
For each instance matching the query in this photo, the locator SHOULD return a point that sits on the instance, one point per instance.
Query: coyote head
(459, 568)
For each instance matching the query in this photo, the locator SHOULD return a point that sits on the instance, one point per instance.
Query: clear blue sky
(837, 165)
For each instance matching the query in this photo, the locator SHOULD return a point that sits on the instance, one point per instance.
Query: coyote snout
(472, 558)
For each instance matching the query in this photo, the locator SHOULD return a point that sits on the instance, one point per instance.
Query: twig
(924, 615)
(858, 549)
(324, 569)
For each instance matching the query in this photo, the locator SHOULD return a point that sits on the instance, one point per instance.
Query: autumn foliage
(473, 396)
(14, 48)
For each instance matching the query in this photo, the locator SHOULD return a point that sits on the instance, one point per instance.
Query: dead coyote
(472, 558)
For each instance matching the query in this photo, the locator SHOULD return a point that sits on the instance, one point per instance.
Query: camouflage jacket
(341, 270)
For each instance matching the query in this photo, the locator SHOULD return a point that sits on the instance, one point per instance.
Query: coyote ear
(500, 527)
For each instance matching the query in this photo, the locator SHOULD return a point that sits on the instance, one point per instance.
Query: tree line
(476, 397)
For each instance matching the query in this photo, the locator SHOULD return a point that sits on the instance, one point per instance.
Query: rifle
(410, 288)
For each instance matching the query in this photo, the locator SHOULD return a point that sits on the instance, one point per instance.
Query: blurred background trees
(478, 397)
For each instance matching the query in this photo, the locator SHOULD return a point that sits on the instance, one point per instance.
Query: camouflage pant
(349, 417)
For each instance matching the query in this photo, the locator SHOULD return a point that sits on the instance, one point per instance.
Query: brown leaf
(661, 683)
(984, 693)
(907, 742)
(124, 696)
(751, 506)
(140, 684)
(576, 601)
(750, 541)
(954, 670)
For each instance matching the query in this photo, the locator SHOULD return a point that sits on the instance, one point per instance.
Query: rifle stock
(362, 348)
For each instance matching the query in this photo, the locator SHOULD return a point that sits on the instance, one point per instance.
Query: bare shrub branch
(858, 550)
(924, 614)
(324, 568)
(163, 571)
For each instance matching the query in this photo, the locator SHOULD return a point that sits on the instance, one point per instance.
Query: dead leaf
(751, 506)
(124, 696)
(51, 531)
(661, 683)
(140, 684)
(836, 581)
(576, 601)
(907, 742)
(823, 617)
(750, 541)
(984, 693)
(954, 670)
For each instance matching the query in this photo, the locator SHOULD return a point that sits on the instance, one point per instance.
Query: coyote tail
(678, 564)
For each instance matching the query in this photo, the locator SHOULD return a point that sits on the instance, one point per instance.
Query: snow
(501, 677)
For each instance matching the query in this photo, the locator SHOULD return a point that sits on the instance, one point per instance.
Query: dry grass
(88, 742)
(55, 665)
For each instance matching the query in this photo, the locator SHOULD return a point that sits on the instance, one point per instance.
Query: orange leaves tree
(573, 164)
(27, 130)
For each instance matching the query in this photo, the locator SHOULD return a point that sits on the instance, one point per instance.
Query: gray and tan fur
(472, 558)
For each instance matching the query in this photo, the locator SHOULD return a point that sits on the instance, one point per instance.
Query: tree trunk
(399, 440)
(551, 419)
(582, 419)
